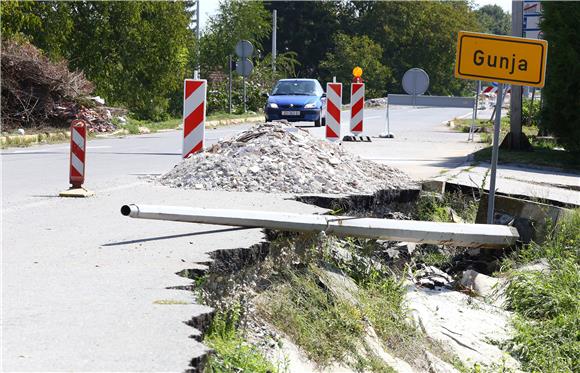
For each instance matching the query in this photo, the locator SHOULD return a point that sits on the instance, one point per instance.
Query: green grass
(231, 351)
(544, 153)
(486, 134)
(539, 156)
(328, 329)
(431, 207)
(223, 116)
(133, 125)
(547, 304)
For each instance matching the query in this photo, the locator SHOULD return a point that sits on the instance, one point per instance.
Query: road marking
(52, 149)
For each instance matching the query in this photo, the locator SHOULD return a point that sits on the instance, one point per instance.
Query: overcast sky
(209, 7)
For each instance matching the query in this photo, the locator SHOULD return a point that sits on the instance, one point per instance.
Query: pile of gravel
(376, 102)
(277, 157)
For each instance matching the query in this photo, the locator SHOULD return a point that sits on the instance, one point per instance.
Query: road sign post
(504, 59)
(494, 156)
(244, 50)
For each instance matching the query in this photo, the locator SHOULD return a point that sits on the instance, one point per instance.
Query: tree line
(138, 53)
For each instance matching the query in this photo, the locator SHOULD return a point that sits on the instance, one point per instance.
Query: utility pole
(230, 85)
(197, 37)
(516, 95)
(274, 26)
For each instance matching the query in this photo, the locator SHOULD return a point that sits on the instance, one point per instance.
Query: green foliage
(309, 29)
(546, 303)
(327, 329)
(530, 112)
(259, 82)
(232, 352)
(136, 53)
(419, 34)
(494, 20)
(561, 112)
(432, 207)
(235, 20)
(351, 51)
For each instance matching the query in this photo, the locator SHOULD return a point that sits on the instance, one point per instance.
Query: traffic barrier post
(357, 103)
(194, 108)
(333, 110)
(78, 148)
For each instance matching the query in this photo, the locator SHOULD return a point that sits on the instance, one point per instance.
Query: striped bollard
(357, 102)
(333, 106)
(78, 148)
(194, 95)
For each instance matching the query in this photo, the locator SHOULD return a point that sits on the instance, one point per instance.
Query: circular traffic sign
(357, 72)
(415, 81)
(244, 49)
(244, 67)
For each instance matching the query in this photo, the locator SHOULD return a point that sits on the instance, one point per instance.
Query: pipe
(466, 235)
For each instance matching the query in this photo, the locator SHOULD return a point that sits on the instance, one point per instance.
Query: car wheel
(317, 123)
(323, 121)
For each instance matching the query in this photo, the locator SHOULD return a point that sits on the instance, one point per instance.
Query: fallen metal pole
(466, 235)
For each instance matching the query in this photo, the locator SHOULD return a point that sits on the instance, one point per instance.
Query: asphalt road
(422, 146)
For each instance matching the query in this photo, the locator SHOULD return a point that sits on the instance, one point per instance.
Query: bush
(546, 303)
(561, 112)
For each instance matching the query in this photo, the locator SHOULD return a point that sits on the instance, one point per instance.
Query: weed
(546, 303)
(436, 259)
(232, 352)
(170, 301)
(328, 329)
(431, 207)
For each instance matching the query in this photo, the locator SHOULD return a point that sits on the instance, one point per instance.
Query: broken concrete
(277, 157)
(468, 326)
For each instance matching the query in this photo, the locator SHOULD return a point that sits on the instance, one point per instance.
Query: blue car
(297, 100)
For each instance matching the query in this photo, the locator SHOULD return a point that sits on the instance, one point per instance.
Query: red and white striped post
(78, 149)
(194, 96)
(333, 107)
(78, 146)
(357, 103)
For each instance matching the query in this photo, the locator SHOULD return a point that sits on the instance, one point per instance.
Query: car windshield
(296, 87)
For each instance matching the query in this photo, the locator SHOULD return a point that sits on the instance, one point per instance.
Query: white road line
(52, 149)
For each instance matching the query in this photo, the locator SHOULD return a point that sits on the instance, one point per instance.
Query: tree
(136, 53)
(235, 20)
(307, 28)
(494, 20)
(419, 34)
(351, 51)
(561, 112)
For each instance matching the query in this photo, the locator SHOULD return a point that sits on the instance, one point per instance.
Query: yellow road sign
(357, 72)
(505, 59)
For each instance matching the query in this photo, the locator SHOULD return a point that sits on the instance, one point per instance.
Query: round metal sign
(244, 67)
(415, 81)
(244, 49)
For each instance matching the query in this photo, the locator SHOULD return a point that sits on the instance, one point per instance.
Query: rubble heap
(376, 102)
(37, 92)
(277, 157)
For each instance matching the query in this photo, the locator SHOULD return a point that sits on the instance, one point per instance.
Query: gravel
(277, 157)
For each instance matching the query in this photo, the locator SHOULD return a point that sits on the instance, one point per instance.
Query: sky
(209, 7)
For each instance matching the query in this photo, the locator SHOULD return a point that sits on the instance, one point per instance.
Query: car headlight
(311, 105)
(273, 105)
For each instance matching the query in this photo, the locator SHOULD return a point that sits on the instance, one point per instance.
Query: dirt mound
(37, 92)
(277, 157)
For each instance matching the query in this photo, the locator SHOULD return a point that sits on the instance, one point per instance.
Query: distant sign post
(244, 50)
(504, 59)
